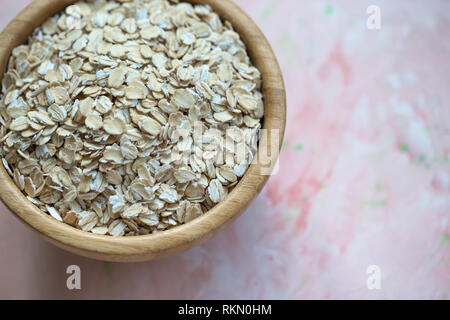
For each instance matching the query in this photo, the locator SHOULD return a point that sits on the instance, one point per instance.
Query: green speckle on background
(445, 238)
(268, 9)
(376, 203)
(329, 9)
(420, 160)
(108, 268)
(285, 144)
(404, 148)
(302, 284)
(298, 147)
(291, 214)
(287, 47)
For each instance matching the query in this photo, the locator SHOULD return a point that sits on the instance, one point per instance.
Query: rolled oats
(129, 117)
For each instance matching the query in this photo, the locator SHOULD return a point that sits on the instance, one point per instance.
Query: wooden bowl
(180, 238)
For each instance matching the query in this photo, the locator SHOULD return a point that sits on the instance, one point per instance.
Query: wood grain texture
(180, 238)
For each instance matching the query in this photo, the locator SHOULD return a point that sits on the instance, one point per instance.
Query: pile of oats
(92, 107)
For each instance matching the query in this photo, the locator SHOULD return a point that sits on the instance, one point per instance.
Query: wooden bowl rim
(177, 239)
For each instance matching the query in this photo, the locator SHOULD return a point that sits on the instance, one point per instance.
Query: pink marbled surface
(364, 173)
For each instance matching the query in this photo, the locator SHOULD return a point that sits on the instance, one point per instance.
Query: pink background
(364, 173)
